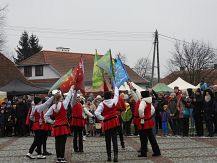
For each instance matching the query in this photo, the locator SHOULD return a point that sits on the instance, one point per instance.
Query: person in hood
(146, 112)
(106, 112)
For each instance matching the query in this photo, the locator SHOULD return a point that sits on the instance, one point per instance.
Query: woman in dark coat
(198, 112)
(209, 110)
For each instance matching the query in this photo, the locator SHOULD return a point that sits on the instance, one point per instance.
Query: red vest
(120, 106)
(110, 117)
(77, 117)
(37, 125)
(136, 118)
(147, 115)
(60, 126)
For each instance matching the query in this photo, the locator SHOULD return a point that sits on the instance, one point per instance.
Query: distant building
(62, 49)
(46, 67)
(9, 72)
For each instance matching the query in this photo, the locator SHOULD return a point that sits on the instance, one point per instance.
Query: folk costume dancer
(61, 127)
(106, 112)
(37, 116)
(78, 123)
(146, 112)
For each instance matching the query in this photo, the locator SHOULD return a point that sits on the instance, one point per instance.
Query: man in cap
(146, 112)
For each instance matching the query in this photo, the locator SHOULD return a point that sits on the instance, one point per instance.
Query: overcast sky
(125, 26)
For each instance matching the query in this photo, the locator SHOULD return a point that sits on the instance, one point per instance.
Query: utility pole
(156, 48)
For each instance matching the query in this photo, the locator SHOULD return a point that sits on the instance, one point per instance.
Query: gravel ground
(174, 149)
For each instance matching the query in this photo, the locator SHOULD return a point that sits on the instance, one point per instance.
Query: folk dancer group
(107, 112)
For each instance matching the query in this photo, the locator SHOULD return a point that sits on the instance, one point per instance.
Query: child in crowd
(165, 119)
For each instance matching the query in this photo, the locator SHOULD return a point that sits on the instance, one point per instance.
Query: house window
(39, 70)
(28, 71)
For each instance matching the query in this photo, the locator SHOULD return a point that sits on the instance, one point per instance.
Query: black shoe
(115, 157)
(142, 155)
(47, 153)
(76, 151)
(122, 145)
(109, 159)
(156, 154)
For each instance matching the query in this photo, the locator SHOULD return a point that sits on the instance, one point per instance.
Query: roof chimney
(62, 49)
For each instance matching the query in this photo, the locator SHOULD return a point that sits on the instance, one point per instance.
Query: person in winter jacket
(146, 112)
(198, 112)
(60, 123)
(174, 113)
(106, 112)
(165, 119)
(209, 110)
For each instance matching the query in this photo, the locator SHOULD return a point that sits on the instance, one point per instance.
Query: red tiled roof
(63, 61)
(9, 72)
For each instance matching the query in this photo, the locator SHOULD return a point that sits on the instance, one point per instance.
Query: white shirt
(108, 103)
(56, 107)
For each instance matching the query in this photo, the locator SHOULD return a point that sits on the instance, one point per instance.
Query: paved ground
(13, 150)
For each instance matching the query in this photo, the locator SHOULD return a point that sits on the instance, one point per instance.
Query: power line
(96, 39)
(179, 40)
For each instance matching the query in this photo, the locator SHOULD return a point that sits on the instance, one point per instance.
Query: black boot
(122, 145)
(109, 157)
(115, 157)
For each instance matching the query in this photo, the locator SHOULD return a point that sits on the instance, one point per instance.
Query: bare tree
(123, 58)
(192, 58)
(143, 68)
(2, 23)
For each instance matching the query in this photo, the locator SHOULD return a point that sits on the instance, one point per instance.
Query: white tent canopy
(125, 87)
(182, 84)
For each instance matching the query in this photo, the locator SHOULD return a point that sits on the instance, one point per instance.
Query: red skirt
(78, 122)
(147, 125)
(60, 130)
(109, 124)
(47, 127)
(36, 126)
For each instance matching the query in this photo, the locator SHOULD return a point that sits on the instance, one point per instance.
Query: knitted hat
(145, 94)
(37, 100)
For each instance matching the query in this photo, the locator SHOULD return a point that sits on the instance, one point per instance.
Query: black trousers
(60, 143)
(185, 126)
(21, 130)
(111, 136)
(78, 138)
(209, 123)
(45, 141)
(158, 123)
(145, 135)
(215, 122)
(38, 141)
(120, 130)
(198, 118)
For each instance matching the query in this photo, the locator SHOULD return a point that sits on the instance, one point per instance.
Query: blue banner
(121, 75)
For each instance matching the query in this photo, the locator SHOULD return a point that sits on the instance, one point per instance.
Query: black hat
(107, 95)
(176, 87)
(145, 94)
(37, 100)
